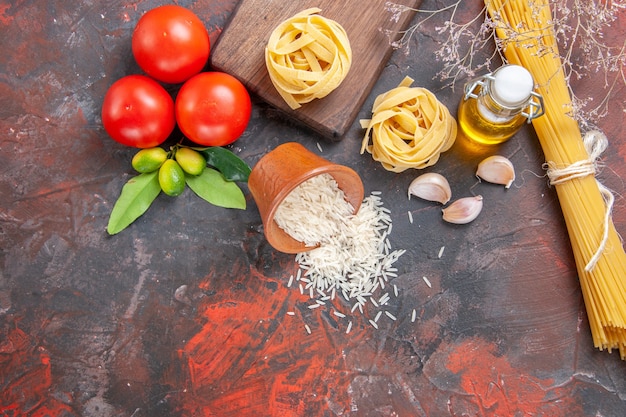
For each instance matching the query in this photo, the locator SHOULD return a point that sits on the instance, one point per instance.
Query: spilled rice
(354, 259)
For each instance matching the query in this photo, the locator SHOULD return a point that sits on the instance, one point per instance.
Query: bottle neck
(493, 111)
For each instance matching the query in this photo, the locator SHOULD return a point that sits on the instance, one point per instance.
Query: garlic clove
(432, 187)
(496, 169)
(463, 210)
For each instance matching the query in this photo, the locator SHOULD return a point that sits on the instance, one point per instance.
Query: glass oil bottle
(496, 106)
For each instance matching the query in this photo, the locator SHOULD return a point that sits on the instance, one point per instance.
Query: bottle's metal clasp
(470, 87)
(535, 107)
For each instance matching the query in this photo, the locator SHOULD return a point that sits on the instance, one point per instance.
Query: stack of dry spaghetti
(525, 27)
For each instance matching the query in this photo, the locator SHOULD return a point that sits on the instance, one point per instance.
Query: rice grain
(391, 316)
(427, 282)
(380, 313)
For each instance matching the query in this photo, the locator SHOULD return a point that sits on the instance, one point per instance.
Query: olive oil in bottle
(498, 104)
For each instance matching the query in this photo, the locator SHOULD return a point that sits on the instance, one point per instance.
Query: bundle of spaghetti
(526, 32)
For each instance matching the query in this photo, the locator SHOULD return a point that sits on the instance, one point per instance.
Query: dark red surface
(185, 312)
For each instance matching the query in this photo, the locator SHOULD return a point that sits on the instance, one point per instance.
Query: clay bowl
(283, 169)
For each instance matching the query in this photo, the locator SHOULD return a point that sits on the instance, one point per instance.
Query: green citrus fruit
(191, 161)
(149, 160)
(171, 178)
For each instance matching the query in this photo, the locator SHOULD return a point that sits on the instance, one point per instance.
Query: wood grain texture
(239, 51)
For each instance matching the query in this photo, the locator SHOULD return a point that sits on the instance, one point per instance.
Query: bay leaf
(212, 187)
(225, 161)
(136, 197)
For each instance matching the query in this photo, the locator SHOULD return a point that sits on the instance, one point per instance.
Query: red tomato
(137, 111)
(171, 44)
(213, 109)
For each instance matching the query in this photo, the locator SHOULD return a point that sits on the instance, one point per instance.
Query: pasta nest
(307, 57)
(409, 128)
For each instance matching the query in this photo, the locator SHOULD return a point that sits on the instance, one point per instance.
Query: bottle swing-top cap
(512, 86)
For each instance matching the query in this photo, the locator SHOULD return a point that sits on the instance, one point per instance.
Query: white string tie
(595, 143)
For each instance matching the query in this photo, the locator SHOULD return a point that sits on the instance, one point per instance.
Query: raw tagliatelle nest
(307, 57)
(409, 128)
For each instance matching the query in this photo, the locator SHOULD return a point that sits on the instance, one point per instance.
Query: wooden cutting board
(240, 48)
